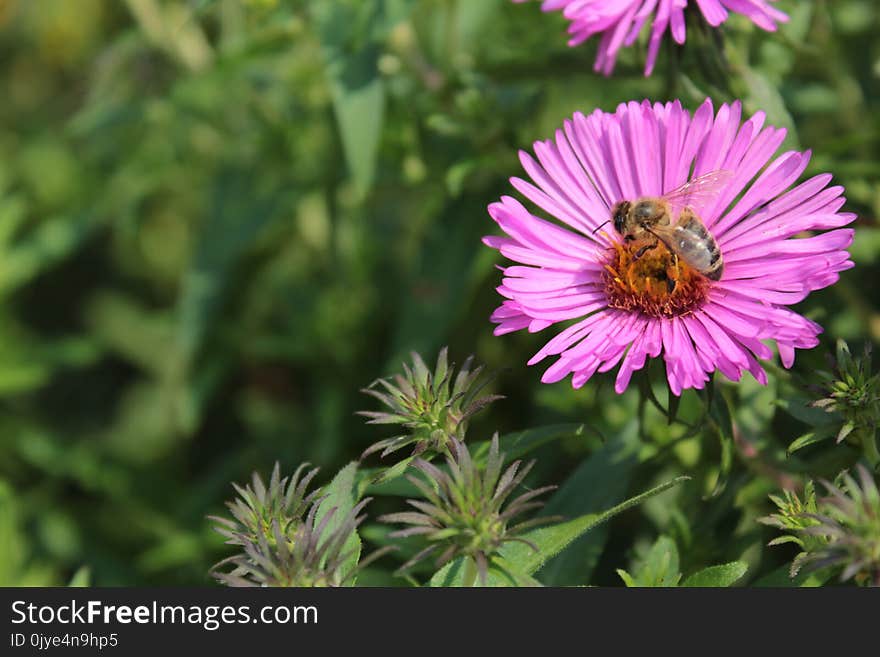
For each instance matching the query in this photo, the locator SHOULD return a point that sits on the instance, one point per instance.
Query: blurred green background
(220, 218)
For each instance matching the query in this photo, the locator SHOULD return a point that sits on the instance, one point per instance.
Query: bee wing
(665, 234)
(698, 192)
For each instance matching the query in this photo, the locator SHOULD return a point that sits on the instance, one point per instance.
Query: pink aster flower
(620, 21)
(626, 302)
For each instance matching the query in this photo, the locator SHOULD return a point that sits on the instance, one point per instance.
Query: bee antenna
(595, 230)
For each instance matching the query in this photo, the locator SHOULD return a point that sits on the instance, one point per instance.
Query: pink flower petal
(619, 22)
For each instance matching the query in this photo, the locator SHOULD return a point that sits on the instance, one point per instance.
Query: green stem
(869, 446)
(469, 577)
(646, 393)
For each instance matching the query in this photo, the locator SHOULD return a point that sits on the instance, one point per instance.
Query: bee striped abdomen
(697, 247)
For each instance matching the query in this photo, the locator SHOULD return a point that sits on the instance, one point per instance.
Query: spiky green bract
(312, 555)
(795, 516)
(434, 407)
(841, 530)
(850, 519)
(467, 510)
(259, 509)
(851, 391)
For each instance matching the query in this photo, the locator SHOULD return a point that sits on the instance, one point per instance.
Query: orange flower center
(654, 281)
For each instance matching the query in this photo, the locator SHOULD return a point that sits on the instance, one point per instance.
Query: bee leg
(672, 281)
(638, 254)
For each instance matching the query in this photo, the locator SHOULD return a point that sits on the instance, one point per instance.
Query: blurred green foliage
(221, 218)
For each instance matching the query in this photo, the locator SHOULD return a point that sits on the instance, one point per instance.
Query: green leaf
(797, 29)
(239, 210)
(845, 430)
(598, 483)
(550, 541)
(43, 247)
(452, 575)
(340, 494)
(388, 14)
(722, 575)
(764, 95)
(781, 577)
(755, 407)
(387, 481)
(501, 573)
(471, 19)
(81, 578)
(350, 33)
(810, 438)
(18, 377)
(798, 408)
(519, 443)
(504, 569)
(132, 332)
(659, 567)
(16, 561)
(442, 283)
(13, 545)
(627, 578)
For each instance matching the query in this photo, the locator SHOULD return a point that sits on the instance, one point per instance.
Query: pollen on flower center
(655, 282)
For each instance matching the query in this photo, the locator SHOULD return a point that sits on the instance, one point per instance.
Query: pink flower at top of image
(624, 294)
(619, 22)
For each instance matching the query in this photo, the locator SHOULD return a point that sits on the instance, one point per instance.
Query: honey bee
(649, 220)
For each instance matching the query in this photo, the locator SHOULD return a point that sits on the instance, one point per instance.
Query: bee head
(618, 215)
